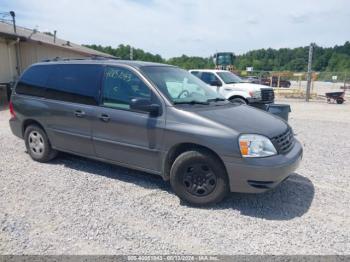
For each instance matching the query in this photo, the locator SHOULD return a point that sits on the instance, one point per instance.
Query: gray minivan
(155, 118)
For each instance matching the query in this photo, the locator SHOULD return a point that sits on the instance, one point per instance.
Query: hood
(244, 119)
(247, 86)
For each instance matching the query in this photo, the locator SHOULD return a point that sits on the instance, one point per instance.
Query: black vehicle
(282, 83)
(156, 118)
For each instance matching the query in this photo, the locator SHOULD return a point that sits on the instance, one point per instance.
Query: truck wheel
(238, 100)
(199, 178)
(38, 144)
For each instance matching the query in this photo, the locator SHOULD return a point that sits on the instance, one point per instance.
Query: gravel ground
(78, 206)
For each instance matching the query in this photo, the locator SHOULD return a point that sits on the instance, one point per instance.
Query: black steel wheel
(199, 178)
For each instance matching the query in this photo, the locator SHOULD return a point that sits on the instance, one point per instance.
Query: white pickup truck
(234, 88)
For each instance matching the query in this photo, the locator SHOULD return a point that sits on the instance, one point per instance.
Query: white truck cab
(233, 88)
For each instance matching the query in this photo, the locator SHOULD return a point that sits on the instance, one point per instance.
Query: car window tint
(195, 73)
(74, 83)
(208, 77)
(33, 81)
(120, 86)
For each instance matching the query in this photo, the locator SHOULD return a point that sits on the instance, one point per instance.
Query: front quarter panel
(187, 127)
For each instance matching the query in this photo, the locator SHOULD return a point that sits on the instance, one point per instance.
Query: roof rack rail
(85, 58)
(61, 59)
(97, 57)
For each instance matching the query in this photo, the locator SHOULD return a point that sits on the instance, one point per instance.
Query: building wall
(30, 52)
(7, 61)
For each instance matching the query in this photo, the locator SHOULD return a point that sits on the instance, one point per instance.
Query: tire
(340, 100)
(238, 100)
(188, 181)
(38, 145)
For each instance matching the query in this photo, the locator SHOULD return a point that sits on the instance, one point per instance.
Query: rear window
(33, 81)
(65, 82)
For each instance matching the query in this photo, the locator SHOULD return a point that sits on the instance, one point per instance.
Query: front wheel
(238, 100)
(199, 178)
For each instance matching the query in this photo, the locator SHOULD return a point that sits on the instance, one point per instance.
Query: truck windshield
(180, 86)
(229, 78)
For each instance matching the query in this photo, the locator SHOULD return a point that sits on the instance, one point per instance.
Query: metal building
(21, 47)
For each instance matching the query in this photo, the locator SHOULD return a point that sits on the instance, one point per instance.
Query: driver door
(120, 134)
(212, 80)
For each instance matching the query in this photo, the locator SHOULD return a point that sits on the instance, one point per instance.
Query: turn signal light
(244, 147)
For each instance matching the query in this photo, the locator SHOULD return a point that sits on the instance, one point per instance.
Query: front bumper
(252, 100)
(257, 175)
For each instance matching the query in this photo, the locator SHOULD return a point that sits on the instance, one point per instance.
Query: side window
(196, 73)
(208, 77)
(120, 86)
(77, 83)
(33, 81)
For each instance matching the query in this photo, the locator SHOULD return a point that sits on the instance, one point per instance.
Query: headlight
(255, 94)
(256, 146)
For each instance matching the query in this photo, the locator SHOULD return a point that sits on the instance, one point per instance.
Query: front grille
(284, 142)
(267, 95)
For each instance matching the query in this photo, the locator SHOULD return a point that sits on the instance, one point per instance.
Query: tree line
(336, 59)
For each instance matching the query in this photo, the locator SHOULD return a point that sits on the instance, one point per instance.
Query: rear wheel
(199, 178)
(238, 100)
(38, 145)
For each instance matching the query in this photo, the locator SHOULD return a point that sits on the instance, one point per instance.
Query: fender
(228, 94)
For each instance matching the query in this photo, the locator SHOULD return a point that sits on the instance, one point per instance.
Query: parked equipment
(335, 97)
(224, 60)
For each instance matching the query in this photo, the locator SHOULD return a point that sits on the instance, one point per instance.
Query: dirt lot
(79, 206)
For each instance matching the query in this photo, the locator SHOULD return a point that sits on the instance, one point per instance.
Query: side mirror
(215, 83)
(145, 105)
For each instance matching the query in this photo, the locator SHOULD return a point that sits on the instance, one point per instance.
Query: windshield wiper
(192, 102)
(217, 99)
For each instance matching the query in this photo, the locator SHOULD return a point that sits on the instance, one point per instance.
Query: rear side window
(74, 83)
(33, 81)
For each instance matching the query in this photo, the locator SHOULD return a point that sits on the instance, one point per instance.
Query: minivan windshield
(180, 86)
(229, 78)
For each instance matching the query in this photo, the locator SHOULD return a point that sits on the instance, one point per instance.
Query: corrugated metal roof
(26, 34)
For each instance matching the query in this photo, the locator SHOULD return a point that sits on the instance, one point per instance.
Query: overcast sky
(191, 27)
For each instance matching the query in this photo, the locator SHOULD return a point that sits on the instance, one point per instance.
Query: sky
(192, 27)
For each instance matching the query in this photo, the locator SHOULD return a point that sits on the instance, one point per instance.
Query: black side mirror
(215, 83)
(145, 105)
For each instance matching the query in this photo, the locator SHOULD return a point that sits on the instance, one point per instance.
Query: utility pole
(131, 53)
(13, 15)
(309, 72)
(18, 69)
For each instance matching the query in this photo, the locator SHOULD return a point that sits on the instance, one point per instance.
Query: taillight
(12, 111)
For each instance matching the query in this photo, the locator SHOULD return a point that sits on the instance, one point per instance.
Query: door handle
(105, 117)
(79, 113)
